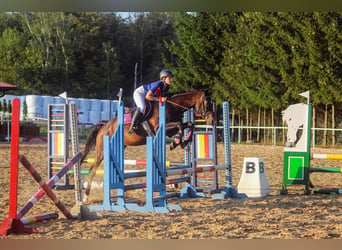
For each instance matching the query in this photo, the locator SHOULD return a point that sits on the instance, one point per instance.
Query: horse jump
(15, 222)
(297, 156)
(176, 106)
(114, 175)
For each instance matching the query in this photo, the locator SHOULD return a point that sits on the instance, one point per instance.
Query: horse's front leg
(179, 137)
(188, 139)
(176, 130)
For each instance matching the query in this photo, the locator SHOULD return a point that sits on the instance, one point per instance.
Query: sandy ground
(293, 216)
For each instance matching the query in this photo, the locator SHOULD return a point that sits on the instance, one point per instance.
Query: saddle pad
(147, 113)
(127, 118)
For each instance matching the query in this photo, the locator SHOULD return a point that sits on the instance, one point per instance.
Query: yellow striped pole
(327, 156)
(139, 162)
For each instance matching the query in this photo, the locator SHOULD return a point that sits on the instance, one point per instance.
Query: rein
(179, 105)
(188, 109)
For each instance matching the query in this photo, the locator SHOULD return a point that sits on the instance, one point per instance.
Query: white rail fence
(275, 135)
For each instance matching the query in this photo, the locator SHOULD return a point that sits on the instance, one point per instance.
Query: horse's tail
(91, 140)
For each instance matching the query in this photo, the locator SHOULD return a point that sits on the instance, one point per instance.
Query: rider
(148, 91)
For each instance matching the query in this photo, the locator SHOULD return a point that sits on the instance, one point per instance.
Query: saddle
(148, 112)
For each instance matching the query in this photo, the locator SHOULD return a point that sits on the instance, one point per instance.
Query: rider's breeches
(139, 98)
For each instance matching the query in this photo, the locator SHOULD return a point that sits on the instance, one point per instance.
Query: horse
(176, 105)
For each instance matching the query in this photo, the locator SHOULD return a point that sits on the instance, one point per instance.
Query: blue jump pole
(229, 191)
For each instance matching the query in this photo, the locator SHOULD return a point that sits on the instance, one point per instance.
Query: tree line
(258, 61)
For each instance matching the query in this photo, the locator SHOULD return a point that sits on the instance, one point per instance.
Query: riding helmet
(165, 73)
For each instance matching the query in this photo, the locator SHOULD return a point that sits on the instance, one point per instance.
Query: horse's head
(204, 107)
(181, 102)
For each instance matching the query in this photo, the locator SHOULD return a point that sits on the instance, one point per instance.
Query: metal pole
(141, 59)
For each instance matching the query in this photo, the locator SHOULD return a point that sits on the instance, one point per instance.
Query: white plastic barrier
(46, 100)
(84, 105)
(33, 101)
(90, 110)
(95, 105)
(105, 116)
(83, 117)
(94, 116)
(59, 100)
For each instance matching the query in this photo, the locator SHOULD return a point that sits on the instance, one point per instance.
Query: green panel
(296, 168)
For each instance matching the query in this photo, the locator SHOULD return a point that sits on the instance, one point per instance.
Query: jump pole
(13, 224)
(139, 162)
(326, 170)
(327, 156)
(38, 218)
(328, 191)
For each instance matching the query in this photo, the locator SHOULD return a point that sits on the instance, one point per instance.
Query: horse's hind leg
(92, 173)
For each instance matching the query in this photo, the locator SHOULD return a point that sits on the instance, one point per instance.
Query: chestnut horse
(175, 107)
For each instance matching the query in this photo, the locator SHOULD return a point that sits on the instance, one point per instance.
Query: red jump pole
(12, 224)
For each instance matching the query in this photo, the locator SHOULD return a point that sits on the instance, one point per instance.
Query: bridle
(201, 107)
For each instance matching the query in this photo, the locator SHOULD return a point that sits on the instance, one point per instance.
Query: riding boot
(137, 117)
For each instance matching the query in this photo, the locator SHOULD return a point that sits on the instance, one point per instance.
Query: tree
(98, 52)
(1, 112)
(4, 107)
(12, 46)
(25, 109)
(150, 32)
(198, 50)
(52, 40)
